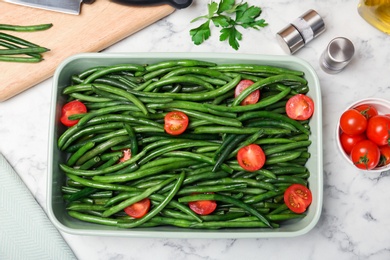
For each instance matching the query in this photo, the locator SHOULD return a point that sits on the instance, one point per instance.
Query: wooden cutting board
(98, 26)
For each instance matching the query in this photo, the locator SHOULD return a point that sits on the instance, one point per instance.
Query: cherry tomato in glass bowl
(367, 110)
(72, 108)
(175, 122)
(349, 141)
(297, 197)
(365, 155)
(300, 107)
(385, 155)
(251, 157)
(252, 98)
(378, 129)
(352, 122)
(138, 209)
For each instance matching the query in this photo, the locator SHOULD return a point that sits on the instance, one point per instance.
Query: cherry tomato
(138, 209)
(72, 108)
(365, 155)
(297, 198)
(349, 141)
(367, 110)
(175, 122)
(203, 207)
(385, 155)
(126, 155)
(352, 122)
(252, 98)
(251, 157)
(378, 130)
(300, 107)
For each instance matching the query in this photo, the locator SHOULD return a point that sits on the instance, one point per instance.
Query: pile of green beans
(16, 49)
(126, 108)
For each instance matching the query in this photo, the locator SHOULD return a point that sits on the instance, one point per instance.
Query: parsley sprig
(228, 15)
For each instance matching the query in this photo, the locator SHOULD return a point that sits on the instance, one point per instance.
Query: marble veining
(355, 222)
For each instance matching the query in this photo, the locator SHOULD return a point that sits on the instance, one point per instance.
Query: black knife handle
(178, 4)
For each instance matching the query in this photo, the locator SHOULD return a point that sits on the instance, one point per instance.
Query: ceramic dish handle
(178, 4)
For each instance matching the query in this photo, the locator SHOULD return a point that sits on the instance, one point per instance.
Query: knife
(63, 6)
(178, 4)
(73, 6)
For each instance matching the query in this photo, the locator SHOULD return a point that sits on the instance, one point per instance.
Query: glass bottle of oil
(376, 13)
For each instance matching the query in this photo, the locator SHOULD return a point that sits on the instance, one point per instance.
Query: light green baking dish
(75, 64)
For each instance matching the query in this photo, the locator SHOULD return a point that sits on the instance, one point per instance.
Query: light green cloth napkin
(25, 230)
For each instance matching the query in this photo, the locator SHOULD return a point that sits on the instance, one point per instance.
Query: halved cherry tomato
(175, 122)
(385, 155)
(349, 141)
(300, 107)
(297, 198)
(251, 157)
(365, 155)
(126, 155)
(352, 122)
(72, 108)
(252, 98)
(138, 209)
(378, 130)
(367, 110)
(203, 207)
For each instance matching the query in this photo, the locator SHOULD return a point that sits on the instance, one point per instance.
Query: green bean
(20, 59)
(98, 185)
(114, 209)
(173, 63)
(198, 70)
(227, 150)
(286, 147)
(142, 172)
(178, 79)
(157, 209)
(211, 118)
(271, 115)
(25, 28)
(255, 68)
(110, 69)
(213, 188)
(93, 219)
(80, 152)
(177, 205)
(90, 163)
(17, 40)
(238, 130)
(227, 199)
(100, 148)
(122, 93)
(23, 50)
(282, 158)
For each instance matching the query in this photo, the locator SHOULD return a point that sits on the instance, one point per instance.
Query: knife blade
(63, 6)
(178, 4)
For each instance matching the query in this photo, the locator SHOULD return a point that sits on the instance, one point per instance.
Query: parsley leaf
(228, 15)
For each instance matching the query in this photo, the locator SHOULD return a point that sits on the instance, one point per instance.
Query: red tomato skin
(367, 110)
(138, 209)
(298, 197)
(385, 155)
(365, 155)
(126, 155)
(175, 122)
(378, 130)
(203, 207)
(72, 108)
(352, 122)
(251, 157)
(251, 98)
(349, 141)
(300, 107)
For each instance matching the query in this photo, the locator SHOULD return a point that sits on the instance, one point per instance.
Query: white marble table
(355, 222)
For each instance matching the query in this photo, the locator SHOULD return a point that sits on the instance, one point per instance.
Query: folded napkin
(25, 230)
